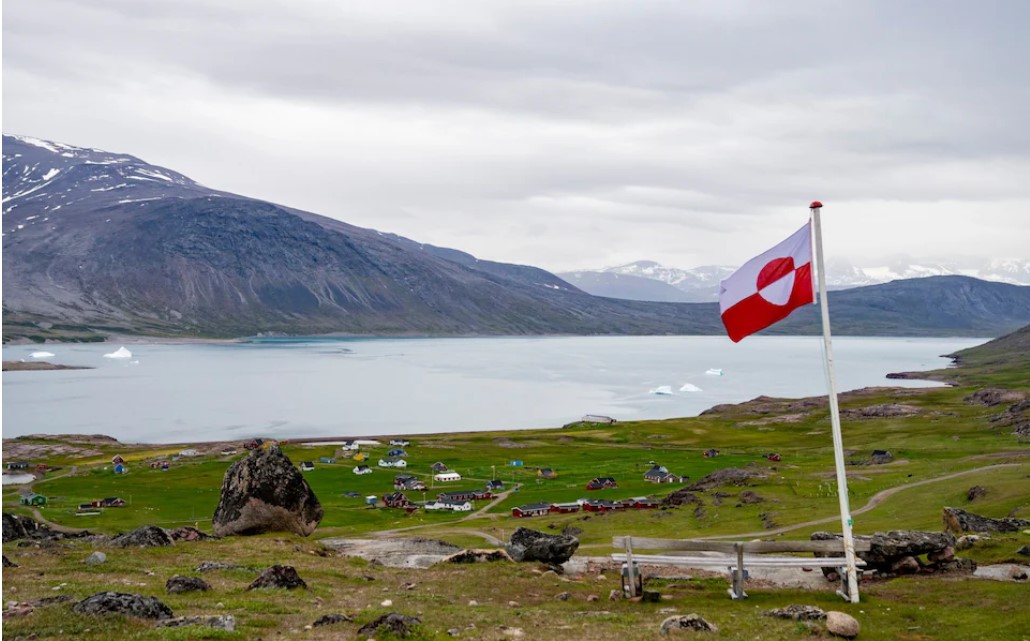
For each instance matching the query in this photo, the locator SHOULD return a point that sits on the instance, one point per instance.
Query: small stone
(278, 576)
(563, 596)
(615, 595)
(399, 624)
(842, 625)
(409, 586)
(650, 596)
(511, 632)
(513, 604)
(453, 632)
(1017, 573)
(593, 597)
(331, 619)
(905, 565)
(473, 603)
(1024, 551)
(386, 603)
(96, 558)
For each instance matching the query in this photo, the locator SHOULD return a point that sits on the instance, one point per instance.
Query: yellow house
(360, 456)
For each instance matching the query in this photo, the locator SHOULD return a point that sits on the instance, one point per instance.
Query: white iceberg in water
(42, 354)
(714, 371)
(662, 390)
(690, 387)
(121, 352)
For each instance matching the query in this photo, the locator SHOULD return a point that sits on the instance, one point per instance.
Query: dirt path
(55, 526)
(874, 501)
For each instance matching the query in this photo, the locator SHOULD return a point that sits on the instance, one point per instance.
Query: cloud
(566, 135)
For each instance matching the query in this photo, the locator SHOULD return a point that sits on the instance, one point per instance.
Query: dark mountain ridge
(108, 242)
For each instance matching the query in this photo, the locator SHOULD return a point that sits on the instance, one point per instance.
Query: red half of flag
(768, 287)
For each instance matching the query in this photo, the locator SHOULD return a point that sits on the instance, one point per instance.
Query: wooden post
(631, 578)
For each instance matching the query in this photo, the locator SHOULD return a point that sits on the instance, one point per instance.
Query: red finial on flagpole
(815, 205)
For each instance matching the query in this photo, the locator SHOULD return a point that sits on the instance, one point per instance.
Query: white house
(189, 452)
(307, 466)
(350, 446)
(362, 469)
(393, 461)
(400, 442)
(447, 476)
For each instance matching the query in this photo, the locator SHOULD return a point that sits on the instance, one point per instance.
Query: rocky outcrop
(400, 625)
(147, 536)
(188, 533)
(265, 492)
(898, 551)
(958, 521)
(144, 607)
(8, 563)
(225, 622)
(478, 556)
(727, 476)
(279, 576)
(992, 397)
(682, 497)
(211, 566)
(530, 545)
(183, 584)
(797, 613)
(883, 410)
(692, 622)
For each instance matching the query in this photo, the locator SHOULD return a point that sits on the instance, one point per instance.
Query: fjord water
(288, 388)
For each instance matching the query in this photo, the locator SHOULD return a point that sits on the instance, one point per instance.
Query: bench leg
(737, 591)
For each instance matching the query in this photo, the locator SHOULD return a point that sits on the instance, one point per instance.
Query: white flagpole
(838, 444)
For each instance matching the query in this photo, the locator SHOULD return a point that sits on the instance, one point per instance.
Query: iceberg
(121, 352)
(42, 354)
(690, 387)
(662, 390)
(714, 371)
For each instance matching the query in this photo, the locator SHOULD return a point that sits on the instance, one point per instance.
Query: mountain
(701, 284)
(102, 242)
(96, 243)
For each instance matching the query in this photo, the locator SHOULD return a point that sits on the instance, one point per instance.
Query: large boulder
(264, 492)
(146, 607)
(958, 521)
(552, 549)
(148, 536)
(842, 624)
(18, 527)
(692, 622)
(888, 548)
(181, 584)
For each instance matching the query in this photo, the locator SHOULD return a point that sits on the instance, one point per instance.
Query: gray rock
(278, 576)
(842, 625)
(143, 537)
(17, 527)
(225, 622)
(1023, 551)
(905, 565)
(976, 492)
(183, 584)
(887, 548)
(331, 619)
(135, 605)
(7, 562)
(265, 492)
(399, 625)
(797, 613)
(530, 545)
(96, 558)
(958, 521)
(686, 622)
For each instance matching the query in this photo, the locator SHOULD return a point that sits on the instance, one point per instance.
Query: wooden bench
(736, 556)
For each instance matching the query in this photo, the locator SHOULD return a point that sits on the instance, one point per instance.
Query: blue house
(397, 452)
(120, 468)
(326, 459)
(515, 463)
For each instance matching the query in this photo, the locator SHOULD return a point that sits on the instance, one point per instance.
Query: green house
(33, 499)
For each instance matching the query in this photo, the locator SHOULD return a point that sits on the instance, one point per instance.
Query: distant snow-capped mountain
(701, 284)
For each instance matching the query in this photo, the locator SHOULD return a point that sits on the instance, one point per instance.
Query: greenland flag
(769, 287)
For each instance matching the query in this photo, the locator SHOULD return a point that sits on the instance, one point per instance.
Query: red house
(397, 499)
(532, 509)
(601, 482)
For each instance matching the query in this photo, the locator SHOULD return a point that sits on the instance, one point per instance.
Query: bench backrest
(730, 547)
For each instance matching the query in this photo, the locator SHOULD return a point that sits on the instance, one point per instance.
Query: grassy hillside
(943, 440)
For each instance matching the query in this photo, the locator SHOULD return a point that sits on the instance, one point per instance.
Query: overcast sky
(565, 135)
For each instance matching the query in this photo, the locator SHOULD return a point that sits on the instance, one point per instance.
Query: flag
(769, 287)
